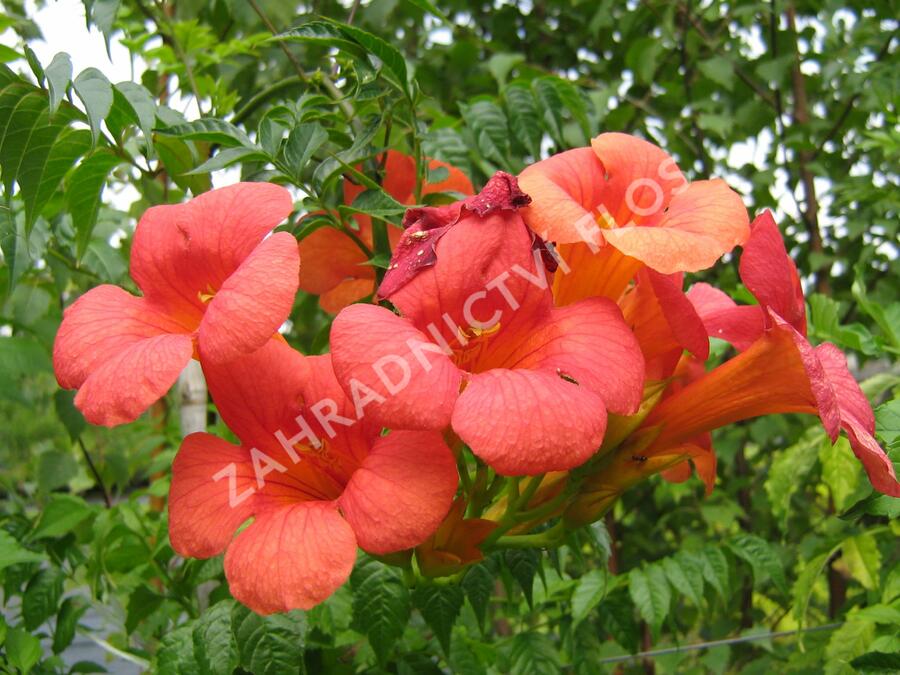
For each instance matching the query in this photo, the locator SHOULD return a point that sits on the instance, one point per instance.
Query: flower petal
(374, 350)
(260, 393)
(770, 274)
(851, 400)
(100, 325)
(402, 491)
(741, 325)
(291, 557)
(877, 464)
(205, 511)
(770, 377)
(181, 250)
(565, 189)
(345, 294)
(528, 421)
(589, 342)
(252, 302)
(129, 381)
(686, 325)
(329, 257)
(702, 223)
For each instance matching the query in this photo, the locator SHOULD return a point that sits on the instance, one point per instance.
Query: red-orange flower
(214, 285)
(479, 345)
(313, 473)
(335, 267)
(622, 204)
(778, 371)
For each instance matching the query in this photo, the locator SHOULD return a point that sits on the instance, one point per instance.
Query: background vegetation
(793, 102)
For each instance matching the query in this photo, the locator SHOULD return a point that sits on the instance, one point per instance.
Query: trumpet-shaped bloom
(479, 346)
(214, 286)
(622, 204)
(335, 267)
(315, 478)
(778, 369)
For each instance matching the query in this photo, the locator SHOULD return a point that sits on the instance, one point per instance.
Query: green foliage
(791, 538)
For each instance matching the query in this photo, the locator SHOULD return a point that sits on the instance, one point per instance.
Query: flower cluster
(529, 354)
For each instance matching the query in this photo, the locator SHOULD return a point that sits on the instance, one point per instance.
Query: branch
(87, 457)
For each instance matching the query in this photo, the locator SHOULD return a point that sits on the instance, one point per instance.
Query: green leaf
(44, 166)
(803, 587)
(142, 602)
(175, 655)
(24, 115)
(478, 585)
(376, 203)
(789, 467)
(501, 63)
(95, 91)
(381, 605)
(13, 553)
(874, 505)
(877, 662)
(714, 566)
(887, 418)
(841, 471)
(463, 660)
(550, 106)
(85, 192)
(440, 605)
(389, 55)
(589, 591)
(61, 515)
(686, 576)
(762, 558)
(302, 143)
(720, 70)
(269, 645)
(228, 156)
(215, 648)
(55, 469)
(651, 594)
(67, 619)
(488, 124)
(849, 641)
(863, 559)
(103, 14)
(523, 564)
(643, 57)
(533, 654)
(141, 103)
(41, 597)
(35, 64)
(617, 618)
(211, 130)
(23, 650)
(59, 76)
(523, 118)
(427, 6)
